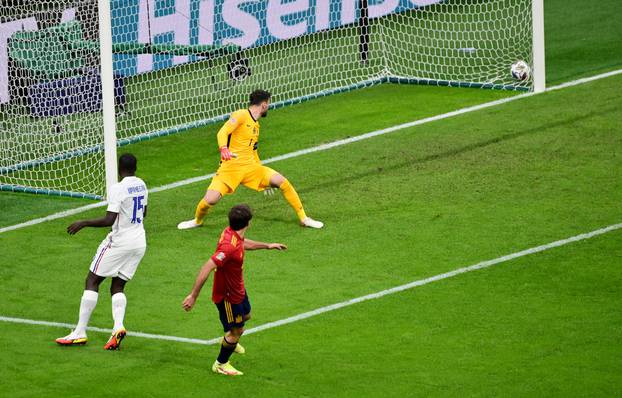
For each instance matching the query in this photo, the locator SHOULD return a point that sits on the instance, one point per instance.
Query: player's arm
(115, 199)
(255, 245)
(204, 273)
(223, 136)
(105, 221)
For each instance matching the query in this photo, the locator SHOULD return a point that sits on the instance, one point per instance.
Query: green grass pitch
(401, 207)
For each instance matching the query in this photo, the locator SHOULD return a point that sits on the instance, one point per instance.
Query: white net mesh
(50, 116)
(184, 63)
(471, 43)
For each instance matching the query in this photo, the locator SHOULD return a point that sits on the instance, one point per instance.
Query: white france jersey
(128, 198)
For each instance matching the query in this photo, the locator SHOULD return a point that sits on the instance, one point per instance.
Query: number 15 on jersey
(137, 216)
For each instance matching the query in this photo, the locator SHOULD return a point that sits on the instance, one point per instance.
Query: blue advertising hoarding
(247, 23)
(220, 22)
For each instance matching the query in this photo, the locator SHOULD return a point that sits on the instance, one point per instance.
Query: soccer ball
(520, 70)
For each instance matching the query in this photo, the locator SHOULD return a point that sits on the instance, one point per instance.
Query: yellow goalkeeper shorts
(229, 176)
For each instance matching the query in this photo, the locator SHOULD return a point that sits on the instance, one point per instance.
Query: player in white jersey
(119, 253)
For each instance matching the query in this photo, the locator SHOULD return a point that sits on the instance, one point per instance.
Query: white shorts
(110, 261)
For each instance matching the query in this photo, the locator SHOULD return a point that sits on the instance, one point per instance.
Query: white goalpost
(79, 78)
(107, 79)
(539, 74)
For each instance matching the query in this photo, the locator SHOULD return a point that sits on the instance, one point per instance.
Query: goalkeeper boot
(72, 339)
(311, 223)
(238, 348)
(225, 369)
(114, 342)
(188, 224)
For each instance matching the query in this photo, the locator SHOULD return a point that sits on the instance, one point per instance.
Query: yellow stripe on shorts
(229, 312)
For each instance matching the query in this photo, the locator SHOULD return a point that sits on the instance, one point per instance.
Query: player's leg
(246, 316)
(239, 348)
(89, 296)
(289, 193)
(228, 346)
(87, 305)
(245, 312)
(233, 331)
(212, 196)
(88, 301)
(222, 184)
(229, 342)
(127, 265)
(119, 302)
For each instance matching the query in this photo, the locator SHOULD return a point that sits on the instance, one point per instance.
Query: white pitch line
(107, 331)
(330, 145)
(421, 282)
(584, 80)
(336, 306)
(61, 214)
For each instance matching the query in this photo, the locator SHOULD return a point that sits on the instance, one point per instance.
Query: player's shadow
(376, 170)
(260, 209)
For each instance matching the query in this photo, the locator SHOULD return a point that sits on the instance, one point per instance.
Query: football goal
(80, 78)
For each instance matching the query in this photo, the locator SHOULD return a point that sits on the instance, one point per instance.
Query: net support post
(107, 79)
(539, 71)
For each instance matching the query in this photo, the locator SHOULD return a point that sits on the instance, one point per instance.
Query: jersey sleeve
(234, 121)
(115, 199)
(222, 255)
(146, 196)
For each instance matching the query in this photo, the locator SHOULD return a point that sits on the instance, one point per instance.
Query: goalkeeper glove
(225, 153)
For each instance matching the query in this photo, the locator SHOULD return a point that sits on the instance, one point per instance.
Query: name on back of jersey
(136, 189)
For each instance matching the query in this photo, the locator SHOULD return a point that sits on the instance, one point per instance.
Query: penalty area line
(329, 145)
(336, 306)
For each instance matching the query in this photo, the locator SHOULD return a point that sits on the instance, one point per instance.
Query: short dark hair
(239, 217)
(127, 162)
(259, 96)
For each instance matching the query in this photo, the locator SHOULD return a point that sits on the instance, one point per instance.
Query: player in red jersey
(229, 293)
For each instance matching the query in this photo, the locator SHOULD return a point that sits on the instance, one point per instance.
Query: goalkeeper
(238, 140)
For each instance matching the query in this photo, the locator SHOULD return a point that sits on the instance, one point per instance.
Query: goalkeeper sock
(119, 301)
(201, 211)
(87, 305)
(293, 199)
(226, 349)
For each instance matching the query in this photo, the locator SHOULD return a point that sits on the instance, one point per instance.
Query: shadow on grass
(453, 152)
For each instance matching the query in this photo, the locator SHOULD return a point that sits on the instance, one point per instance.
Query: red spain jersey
(229, 259)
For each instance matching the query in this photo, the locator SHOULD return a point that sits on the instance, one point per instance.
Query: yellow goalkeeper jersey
(241, 135)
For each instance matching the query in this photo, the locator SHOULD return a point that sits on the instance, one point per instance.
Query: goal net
(182, 64)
